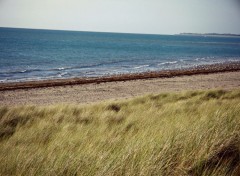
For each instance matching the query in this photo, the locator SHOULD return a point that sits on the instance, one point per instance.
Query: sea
(30, 54)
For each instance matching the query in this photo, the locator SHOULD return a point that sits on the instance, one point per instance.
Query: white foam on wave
(200, 59)
(64, 73)
(168, 63)
(234, 60)
(140, 66)
(13, 71)
(3, 80)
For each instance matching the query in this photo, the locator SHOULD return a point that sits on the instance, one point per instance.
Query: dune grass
(188, 133)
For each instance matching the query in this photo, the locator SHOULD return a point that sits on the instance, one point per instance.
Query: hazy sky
(132, 16)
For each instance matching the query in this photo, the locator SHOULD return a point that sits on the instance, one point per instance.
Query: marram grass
(189, 133)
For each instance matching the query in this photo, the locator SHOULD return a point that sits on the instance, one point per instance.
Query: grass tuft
(114, 107)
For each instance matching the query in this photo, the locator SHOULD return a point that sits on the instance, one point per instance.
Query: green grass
(189, 133)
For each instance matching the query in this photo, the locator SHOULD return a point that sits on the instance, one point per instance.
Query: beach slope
(95, 92)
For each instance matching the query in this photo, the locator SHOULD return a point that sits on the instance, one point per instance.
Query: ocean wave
(200, 59)
(87, 66)
(140, 66)
(19, 71)
(64, 74)
(61, 68)
(168, 63)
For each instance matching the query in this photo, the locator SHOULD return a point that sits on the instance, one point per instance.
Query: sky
(127, 16)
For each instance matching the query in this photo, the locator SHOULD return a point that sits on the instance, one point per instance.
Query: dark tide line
(202, 69)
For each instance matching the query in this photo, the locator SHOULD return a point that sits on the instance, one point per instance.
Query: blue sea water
(27, 54)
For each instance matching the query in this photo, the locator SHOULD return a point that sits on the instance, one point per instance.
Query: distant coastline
(211, 34)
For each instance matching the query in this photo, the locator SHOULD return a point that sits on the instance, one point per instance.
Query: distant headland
(211, 34)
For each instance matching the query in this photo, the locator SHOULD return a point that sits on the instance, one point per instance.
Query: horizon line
(71, 30)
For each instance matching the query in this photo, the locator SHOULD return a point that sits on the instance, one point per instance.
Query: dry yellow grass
(189, 133)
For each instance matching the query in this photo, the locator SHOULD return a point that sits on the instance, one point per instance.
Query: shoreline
(198, 70)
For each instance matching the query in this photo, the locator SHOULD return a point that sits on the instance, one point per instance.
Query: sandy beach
(95, 92)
